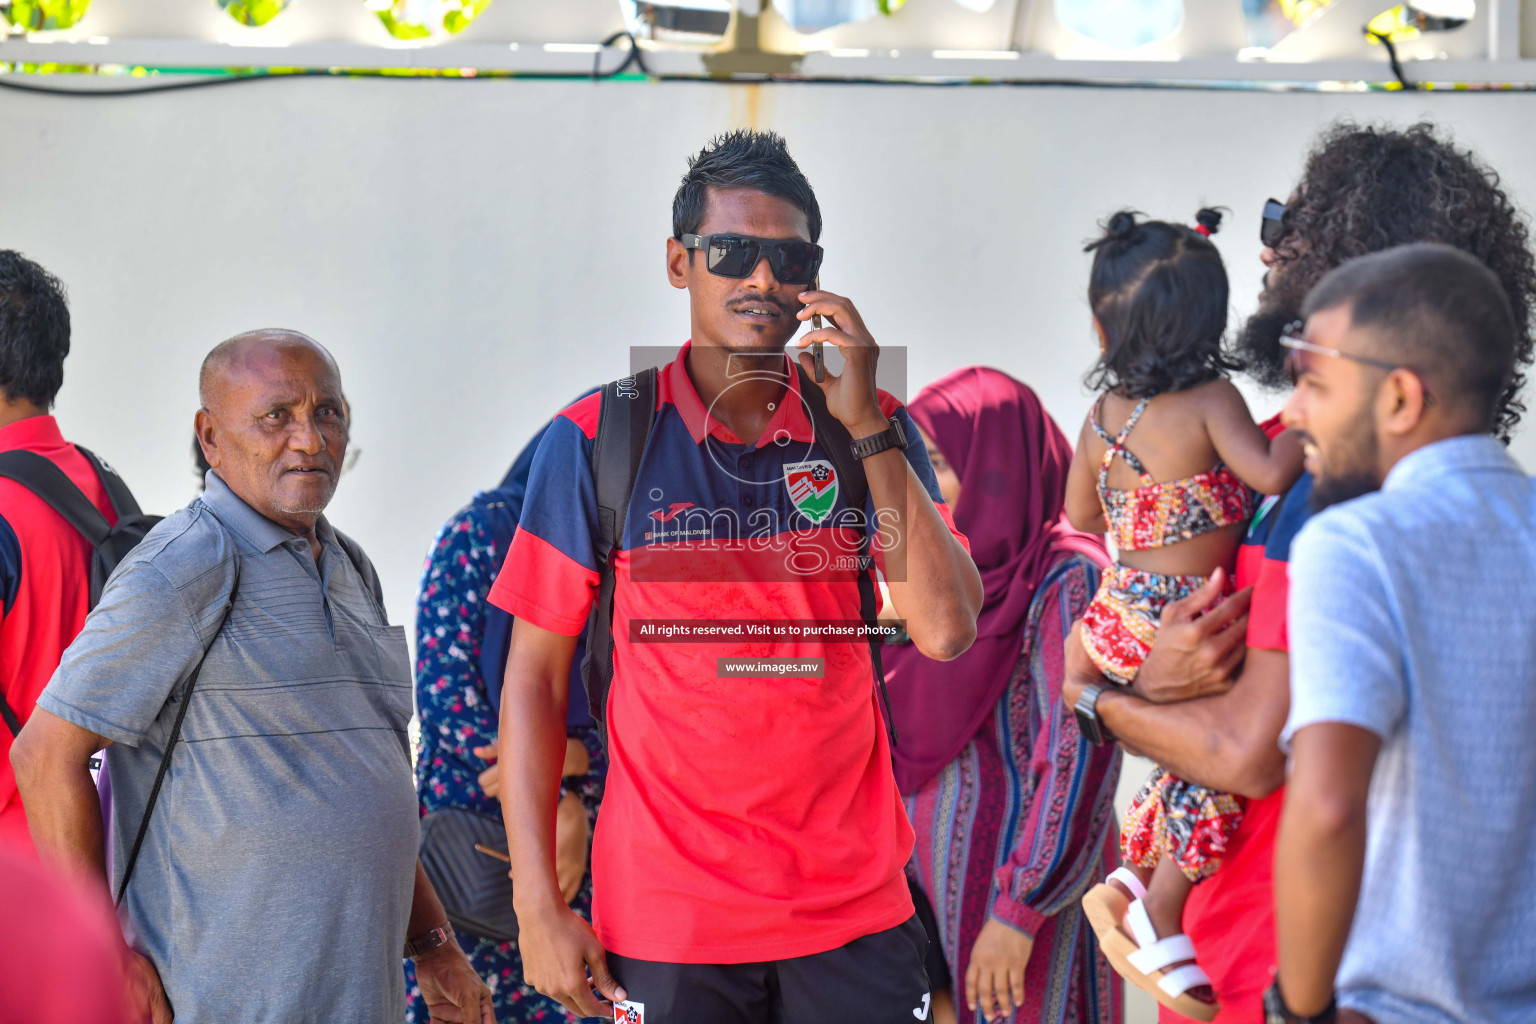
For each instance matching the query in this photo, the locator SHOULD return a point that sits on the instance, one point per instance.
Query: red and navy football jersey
(746, 818)
(1263, 562)
(1231, 915)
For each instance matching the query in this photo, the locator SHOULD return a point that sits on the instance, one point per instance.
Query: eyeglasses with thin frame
(793, 261)
(1293, 342)
(1272, 227)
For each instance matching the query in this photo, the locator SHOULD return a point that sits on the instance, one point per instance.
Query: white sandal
(1127, 878)
(1141, 957)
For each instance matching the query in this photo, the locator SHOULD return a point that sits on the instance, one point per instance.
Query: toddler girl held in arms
(1167, 465)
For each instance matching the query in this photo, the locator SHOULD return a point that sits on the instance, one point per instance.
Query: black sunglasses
(793, 261)
(1272, 227)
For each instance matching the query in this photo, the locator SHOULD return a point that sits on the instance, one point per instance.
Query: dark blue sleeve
(917, 456)
(1294, 512)
(10, 567)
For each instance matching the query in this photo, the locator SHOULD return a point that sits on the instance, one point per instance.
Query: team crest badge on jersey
(812, 487)
(629, 1012)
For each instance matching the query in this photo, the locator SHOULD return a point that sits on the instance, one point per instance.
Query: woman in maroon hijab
(1014, 810)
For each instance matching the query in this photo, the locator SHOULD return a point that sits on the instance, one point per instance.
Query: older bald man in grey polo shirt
(278, 880)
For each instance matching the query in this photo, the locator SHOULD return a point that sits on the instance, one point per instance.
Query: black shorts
(938, 970)
(878, 979)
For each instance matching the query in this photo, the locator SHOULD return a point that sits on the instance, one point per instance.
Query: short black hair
(34, 331)
(1437, 310)
(745, 159)
(1159, 291)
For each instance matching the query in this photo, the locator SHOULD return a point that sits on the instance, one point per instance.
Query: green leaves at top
(254, 13)
(45, 15)
(426, 19)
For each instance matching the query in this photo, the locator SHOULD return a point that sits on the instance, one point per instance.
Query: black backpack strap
(122, 499)
(8, 537)
(837, 443)
(627, 411)
(170, 745)
(11, 721)
(39, 475)
(50, 483)
(626, 415)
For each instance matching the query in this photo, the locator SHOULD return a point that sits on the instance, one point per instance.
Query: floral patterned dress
(457, 716)
(1021, 823)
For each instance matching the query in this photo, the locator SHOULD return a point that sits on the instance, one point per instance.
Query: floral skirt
(1178, 819)
(1169, 817)
(1121, 621)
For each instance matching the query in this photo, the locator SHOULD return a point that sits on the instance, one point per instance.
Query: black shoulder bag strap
(837, 443)
(170, 744)
(51, 484)
(123, 502)
(627, 413)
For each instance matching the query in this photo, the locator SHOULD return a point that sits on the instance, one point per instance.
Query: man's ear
(202, 426)
(1403, 402)
(678, 261)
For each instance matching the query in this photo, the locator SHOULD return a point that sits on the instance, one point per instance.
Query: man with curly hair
(1369, 189)
(1206, 706)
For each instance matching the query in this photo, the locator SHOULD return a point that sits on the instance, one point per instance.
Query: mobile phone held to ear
(821, 362)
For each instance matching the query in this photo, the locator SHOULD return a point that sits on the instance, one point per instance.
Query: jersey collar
(34, 432)
(789, 418)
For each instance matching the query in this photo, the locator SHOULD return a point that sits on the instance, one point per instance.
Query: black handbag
(472, 885)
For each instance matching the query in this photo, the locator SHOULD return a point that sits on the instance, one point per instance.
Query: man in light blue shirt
(1405, 872)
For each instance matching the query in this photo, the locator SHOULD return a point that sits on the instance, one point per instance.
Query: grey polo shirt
(275, 881)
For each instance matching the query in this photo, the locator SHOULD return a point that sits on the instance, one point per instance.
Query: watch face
(1088, 724)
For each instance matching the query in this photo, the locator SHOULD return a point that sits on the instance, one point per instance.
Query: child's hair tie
(1207, 221)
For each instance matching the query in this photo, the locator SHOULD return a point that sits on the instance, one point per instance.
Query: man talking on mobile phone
(748, 862)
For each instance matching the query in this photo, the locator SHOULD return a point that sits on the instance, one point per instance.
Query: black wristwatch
(1087, 711)
(894, 437)
(1276, 1012)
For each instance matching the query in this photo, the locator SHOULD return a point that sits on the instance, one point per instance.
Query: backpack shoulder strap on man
(183, 700)
(53, 486)
(122, 499)
(627, 413)
(50, 483)
(838, 445)
(110, 542)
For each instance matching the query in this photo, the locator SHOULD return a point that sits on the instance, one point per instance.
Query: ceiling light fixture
(976, 54)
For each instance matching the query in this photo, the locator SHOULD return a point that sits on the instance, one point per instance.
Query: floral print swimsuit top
(1157, 514)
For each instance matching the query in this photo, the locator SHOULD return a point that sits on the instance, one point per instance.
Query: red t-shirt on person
(1230, 916)
(62, 957)
(746, 818)
(45, 573)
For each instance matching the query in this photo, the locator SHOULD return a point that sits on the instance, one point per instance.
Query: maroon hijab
(1012, 461)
